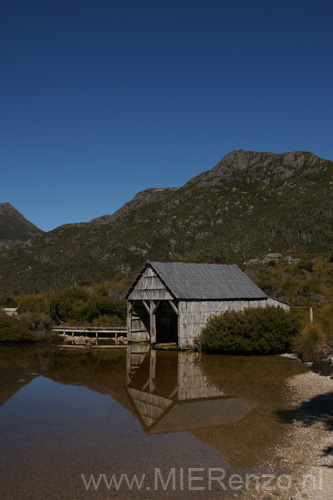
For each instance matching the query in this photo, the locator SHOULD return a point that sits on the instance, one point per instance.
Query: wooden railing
(91, 330)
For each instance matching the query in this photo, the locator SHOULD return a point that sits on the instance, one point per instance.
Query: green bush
(7, 301)
(13, 330)
(36, 321)
(77, 306)
(266, 330)
(64, 301)
(305, 265)
(112, 321)
(33, 303)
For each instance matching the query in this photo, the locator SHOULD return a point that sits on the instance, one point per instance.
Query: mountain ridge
(248, 205)
(141, 198)
(226, 167)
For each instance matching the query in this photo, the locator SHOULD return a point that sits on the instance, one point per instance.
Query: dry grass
(310, 342)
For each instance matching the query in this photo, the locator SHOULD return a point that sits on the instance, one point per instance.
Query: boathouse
(171, 301)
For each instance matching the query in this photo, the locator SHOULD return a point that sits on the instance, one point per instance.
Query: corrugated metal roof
(205, 281)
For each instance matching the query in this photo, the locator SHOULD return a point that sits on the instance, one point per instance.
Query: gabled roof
(203, 280)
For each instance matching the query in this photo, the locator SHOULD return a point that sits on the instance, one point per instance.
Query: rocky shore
(303, 463)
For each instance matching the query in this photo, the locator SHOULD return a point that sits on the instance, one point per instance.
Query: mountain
(148, 196)
(249, 204)
(14, 227)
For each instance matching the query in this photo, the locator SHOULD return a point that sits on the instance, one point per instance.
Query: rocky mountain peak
(257, 165)
(7, 208)
(14, 227)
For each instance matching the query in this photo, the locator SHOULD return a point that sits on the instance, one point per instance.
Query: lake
(137, 423)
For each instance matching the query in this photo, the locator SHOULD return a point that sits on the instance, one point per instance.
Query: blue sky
(101, 99)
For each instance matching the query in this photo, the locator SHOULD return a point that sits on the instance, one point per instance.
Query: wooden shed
(171, 301)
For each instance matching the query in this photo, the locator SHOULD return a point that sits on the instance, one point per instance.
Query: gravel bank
(306, 456)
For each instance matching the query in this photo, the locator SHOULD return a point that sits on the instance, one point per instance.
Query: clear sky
(101, 99)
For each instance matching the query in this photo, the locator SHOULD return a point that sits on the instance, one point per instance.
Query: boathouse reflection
(170, 393)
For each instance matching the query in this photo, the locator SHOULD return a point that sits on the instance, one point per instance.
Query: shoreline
(306, 454)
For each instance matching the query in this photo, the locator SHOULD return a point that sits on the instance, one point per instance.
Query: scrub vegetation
(304, 282)
(85, 304)
(268, 330)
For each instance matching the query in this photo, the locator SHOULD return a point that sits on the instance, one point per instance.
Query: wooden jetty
(91, 331)
(94, 347)
(87, 337)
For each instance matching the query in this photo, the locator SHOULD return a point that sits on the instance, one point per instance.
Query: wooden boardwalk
(91, 331)
(93, 347)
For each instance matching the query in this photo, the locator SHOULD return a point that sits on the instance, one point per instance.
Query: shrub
(61, 305)
(7, 301)
(112, 320)
(37, 322)
(256, 330)
(305, 265)
(13, 330)
(325, 316)
(310, 342)
(78, 307)
(33, 303)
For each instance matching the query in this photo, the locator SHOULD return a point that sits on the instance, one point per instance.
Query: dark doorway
(166, 324)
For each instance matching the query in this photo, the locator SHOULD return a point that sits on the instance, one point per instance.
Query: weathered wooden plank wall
(193, 315)
(150, 287)
(277, 303)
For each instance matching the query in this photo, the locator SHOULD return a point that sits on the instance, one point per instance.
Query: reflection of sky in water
(52, 405)
(50, 433)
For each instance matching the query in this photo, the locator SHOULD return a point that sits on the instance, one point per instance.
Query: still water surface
(65, 414)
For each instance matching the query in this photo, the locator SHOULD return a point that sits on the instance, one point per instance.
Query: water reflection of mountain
(12, 379)
(15, 372)
(226, 401)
